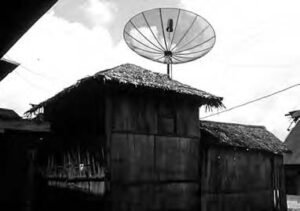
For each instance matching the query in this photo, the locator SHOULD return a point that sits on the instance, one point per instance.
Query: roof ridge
(246, 136)
(137, 76)
(129, 64)
(232, 123)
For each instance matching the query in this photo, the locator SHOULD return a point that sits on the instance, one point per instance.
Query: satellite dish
(169, 36)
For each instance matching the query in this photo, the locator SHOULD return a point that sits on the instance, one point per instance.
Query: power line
(37, 74)
(252, 101)
(34, 72)
(31, 84)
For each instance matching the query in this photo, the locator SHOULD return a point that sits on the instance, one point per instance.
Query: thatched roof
(138, 77)
(250, 137)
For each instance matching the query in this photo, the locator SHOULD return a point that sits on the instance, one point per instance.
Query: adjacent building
(292, 160)
(242, 168)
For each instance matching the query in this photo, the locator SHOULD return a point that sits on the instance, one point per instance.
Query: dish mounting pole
(170, 70)
(168, 59)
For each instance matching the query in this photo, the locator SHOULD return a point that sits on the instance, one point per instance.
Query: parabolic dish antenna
(169, 36)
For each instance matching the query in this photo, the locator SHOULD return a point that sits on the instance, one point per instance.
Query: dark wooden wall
(81, 112)
(149, 143)
(147, 114)
(154, 153)
(292, 178)
(18, 169)
(237, 179)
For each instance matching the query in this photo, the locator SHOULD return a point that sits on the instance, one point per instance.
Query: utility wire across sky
(249, 102)
(30, 70)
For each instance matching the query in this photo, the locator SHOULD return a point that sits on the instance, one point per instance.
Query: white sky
(256, 53)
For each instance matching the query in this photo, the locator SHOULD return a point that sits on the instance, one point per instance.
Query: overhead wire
(29, 82)
(251, 101)
(25, 67)
(32, 72)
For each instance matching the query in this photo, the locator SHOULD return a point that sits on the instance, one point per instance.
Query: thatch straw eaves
(138, 77)
(249, 137)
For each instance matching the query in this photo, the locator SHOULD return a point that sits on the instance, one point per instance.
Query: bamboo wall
(74, 164)
(78, 166)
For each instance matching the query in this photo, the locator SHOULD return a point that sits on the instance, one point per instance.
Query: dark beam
(16, 17)
(6, 67)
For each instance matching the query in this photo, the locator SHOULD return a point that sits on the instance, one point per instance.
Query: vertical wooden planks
(150, 167)
(177, 158)
(135, 114)
(132, 158)
(235, 179)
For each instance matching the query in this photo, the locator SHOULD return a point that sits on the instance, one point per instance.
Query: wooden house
(128, 132)
(242, 168)
(292, 160)
(129, 139)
